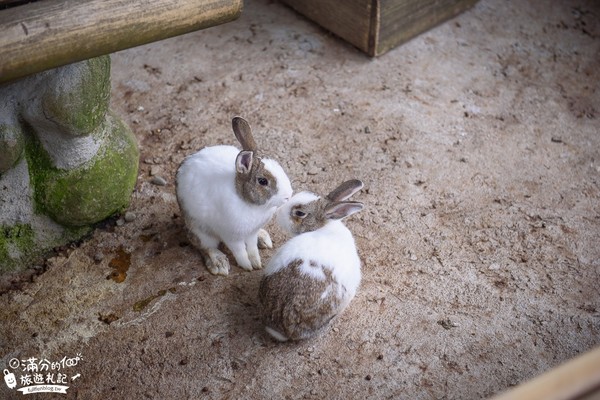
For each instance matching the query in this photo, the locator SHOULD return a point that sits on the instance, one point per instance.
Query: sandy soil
(479, 146)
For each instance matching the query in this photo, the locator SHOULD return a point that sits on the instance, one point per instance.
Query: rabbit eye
(263, 181)
(299, 214)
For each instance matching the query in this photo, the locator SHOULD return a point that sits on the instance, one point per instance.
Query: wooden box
(376, 26)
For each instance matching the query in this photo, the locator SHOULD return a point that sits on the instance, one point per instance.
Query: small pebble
(130, 216)
(367, 129)
(158, 181)
(98, 257)
(120, 222)
(314, 170)
(154, 170)
(447, 324)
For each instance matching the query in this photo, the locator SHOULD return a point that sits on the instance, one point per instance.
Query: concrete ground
(479, 146)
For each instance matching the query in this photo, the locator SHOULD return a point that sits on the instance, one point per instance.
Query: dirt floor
(479, 146)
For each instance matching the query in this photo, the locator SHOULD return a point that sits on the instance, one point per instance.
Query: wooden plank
(50, 33)
(578, 379)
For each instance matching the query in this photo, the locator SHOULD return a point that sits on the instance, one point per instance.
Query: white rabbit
(227, 195)
(313, 276)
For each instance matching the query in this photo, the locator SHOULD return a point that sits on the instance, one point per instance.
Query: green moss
(16, 242)
(96, 190)
(20, 245)
(40, 169)
(79, 101)
(76, 98)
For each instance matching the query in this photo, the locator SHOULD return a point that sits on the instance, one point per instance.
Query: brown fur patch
(314, 219)
(292, 304)
(248, 187)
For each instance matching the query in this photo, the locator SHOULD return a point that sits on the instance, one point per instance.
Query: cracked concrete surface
(479, 146)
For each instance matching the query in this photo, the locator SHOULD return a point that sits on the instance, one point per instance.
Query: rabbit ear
(243, 133)
(243, 162)
(342, 209)
(345, 190)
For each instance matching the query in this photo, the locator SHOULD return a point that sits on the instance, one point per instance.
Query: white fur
(331, 246)
(209, 201)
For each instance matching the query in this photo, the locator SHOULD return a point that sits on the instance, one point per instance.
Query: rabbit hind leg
(215, 260)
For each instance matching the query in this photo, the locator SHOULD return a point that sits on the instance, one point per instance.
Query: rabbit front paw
(264, 240)
(254, 257)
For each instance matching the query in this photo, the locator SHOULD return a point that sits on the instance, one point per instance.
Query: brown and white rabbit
(312, 277)
(227, 195)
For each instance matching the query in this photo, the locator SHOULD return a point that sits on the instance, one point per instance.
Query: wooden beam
(50, 33)
(578, 379)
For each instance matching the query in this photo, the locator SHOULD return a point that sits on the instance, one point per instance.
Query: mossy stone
(22, 244)
(15, 241)
(94, 191)
(79, 96)
(12, 144)
(95, 173)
